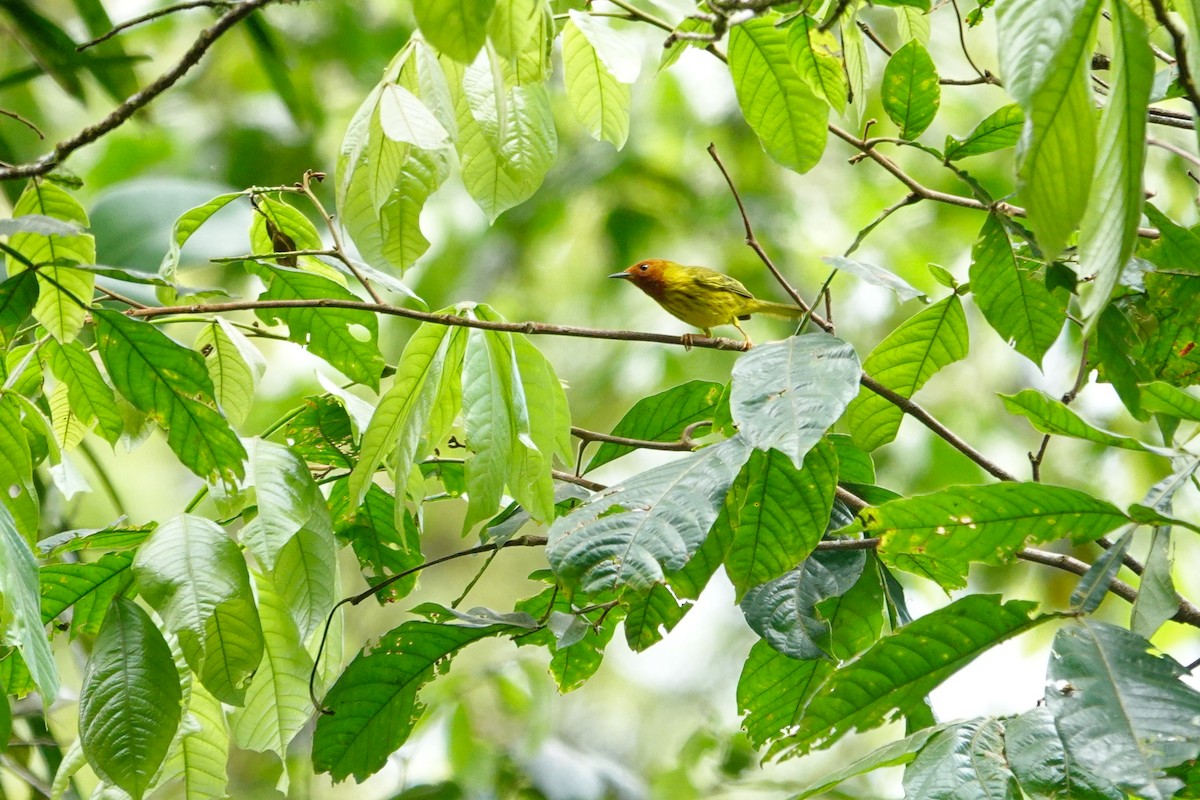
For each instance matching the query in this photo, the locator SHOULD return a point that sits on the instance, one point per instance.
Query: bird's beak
(621, 274)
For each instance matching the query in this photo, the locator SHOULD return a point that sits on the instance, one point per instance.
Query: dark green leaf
(1012, 294)
(91, 398)
(347, 338)
(321, 433)
(130, 700)
(18, 295)
(774, 689)
(1163, 398)
(651, 616)
(374, 702)
(786, 395)
(1093, 586)
(894, 754)
(784, 611)
(86, 588)
(964, 760)
(1052, 416)
(115, 537)
(1098, 671)
(1035, 753)
(778, 514)
(893, 676)
(911, 93)
(633, 533)
(170, 383)
(1156, 599)
(381, 548)
(19, 495)
(940, 535)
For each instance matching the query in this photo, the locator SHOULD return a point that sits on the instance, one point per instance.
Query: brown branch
(685, 443)
(137, 100)
(14, 115)
(1181, 61)
(567, 477)
(926, 419)
(528, 328)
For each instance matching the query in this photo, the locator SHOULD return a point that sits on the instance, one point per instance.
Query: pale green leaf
(599, 101)
(19, 590)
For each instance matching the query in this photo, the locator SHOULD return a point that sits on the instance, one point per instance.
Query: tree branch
(137, 100)
(153, 15)
(1181, 63)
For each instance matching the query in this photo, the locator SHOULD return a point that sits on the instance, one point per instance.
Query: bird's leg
(688, 340)
(745, 335)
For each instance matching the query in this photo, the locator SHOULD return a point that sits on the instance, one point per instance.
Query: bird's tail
(772, 309)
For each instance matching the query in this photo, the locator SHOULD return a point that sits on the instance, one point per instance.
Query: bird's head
(647, 275)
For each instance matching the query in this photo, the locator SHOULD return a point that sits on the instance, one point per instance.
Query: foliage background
(260, 110)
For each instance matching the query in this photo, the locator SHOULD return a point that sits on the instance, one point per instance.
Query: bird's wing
(710, 279)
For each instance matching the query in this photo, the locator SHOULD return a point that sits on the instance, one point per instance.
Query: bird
(701, 296)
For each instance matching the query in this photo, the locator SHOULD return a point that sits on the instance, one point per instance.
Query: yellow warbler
(700, 296)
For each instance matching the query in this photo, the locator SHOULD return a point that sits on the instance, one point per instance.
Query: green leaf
(277, 701)
(88, 588)
(1169, 351)
(114, 537)
(1045, 54)
(345, 337)
(1093, 586)
(18, 295)
(18, 493)
(633, 533)
(129, 703)
(280, 227)
(858, 66)
(1156, 599)
(817, 58)
(1012, 294)
(939, 535)
(598, 99)
(383, 549)
(23, 619)
(1035, 753)
(875, 275)
(91, 398)
(404, 118)
(195, 577)
(1110, 224)
(305, 576)
(1160, 397)
(931, 339)
(854, 464)
(506, 136)
(187, 224)
(1051, 416)
(499, 435)
(374, 702)
(321, 433)
(513, 25)
(893, 677)
(457, 28)
(773, 690)
(64, 293)
(778, 105)
(784, 611)
(778, 513)
(171, 384)
(1098, 671)
(651, 616)
(287, 497)
(999, 131)
(234, 365)
(785, 395)
(661, 417)
(401, 416)
(894, 754)
(911, 94)
(964, 760)
(201, 755)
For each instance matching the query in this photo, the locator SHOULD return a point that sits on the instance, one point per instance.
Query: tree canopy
(329, 455)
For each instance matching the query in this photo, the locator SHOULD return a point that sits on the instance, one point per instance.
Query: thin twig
(137, 100)
(908, 200)
(751, 241)
(14, 115)
(1173, 148)
(120, 298)
(684, 444)
(338, 247)
(567, 477)
(962, 40)
(1181, 62)
(153, 15)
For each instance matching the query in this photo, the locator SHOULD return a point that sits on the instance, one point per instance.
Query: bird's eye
(643, 267)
